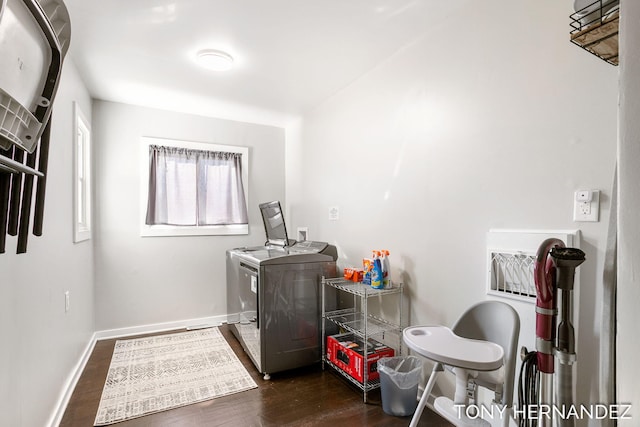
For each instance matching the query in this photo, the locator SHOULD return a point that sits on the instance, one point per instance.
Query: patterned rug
(157, 373)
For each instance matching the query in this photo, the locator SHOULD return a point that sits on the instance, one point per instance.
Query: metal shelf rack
(354, 321)
(595, 29)
(357, 320)
(366, 387)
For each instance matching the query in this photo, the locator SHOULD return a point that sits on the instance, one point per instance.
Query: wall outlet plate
(303, 233)
(334, 213)
(586, 206)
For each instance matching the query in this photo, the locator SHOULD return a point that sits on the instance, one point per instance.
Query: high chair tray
(440, 344)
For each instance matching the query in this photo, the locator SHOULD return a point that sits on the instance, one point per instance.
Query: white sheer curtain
(195, 187)
(220, 190)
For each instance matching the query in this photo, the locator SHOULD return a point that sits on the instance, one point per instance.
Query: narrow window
(82, 177)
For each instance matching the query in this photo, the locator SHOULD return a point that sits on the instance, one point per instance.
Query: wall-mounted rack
(35, 37)
(511, 255)
(511, 274)
(595, 29)
(11, 166)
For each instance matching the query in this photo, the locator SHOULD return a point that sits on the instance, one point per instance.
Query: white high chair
(480, 350)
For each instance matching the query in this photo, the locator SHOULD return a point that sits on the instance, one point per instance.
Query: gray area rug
(157, 373)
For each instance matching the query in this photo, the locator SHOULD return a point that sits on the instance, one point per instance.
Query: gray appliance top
(262, 254)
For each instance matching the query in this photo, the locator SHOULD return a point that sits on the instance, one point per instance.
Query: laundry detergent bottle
(386, 269)
(376, 272)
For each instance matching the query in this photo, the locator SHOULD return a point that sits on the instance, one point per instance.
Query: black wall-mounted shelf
(595, 29)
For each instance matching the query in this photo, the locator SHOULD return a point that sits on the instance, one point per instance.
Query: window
(192, 188)
(82, 177)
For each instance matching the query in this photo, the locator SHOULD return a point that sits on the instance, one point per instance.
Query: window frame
(180, 230)
(82, 194)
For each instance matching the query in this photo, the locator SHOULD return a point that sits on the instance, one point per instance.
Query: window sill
(81, 235)
(213, 230)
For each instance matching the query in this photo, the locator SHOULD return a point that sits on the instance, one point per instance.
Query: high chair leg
(425, 394)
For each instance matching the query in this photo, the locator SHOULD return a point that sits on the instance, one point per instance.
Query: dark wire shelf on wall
(595, 29)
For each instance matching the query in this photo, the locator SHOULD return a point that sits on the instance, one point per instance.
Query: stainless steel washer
(273, 302)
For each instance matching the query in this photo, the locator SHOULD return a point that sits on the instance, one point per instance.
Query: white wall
(141, 281)
(491, 120)
(41, 343)
(629, 206)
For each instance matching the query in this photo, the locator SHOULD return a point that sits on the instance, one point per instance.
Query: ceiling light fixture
(215, 60)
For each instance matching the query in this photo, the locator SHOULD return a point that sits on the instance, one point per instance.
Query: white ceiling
(290, 55)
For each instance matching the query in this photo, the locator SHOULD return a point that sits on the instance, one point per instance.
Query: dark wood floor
(303, 397)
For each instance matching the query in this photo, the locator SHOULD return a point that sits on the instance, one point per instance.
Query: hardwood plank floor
(302, 397)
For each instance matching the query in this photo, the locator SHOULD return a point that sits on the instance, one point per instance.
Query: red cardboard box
(347, 353)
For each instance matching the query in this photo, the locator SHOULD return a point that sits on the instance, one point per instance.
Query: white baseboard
(72, 380)
(161, 327)
(70, 384)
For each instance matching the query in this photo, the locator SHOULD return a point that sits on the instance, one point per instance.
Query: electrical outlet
(585, 208)
(586, 205)
(334, 213)
(303, 233)
(66, 301)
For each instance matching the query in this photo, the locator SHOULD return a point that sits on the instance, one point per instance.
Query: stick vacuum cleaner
(554, 272)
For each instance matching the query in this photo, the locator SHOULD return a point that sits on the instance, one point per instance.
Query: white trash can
(399, 377)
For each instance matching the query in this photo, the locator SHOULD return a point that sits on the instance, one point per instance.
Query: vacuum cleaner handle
(546, 304)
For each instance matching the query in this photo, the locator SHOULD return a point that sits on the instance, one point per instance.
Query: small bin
(399, 377)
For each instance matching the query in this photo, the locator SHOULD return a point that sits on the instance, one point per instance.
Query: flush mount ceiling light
(215, 60)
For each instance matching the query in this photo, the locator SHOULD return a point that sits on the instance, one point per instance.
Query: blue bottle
(376, 273)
